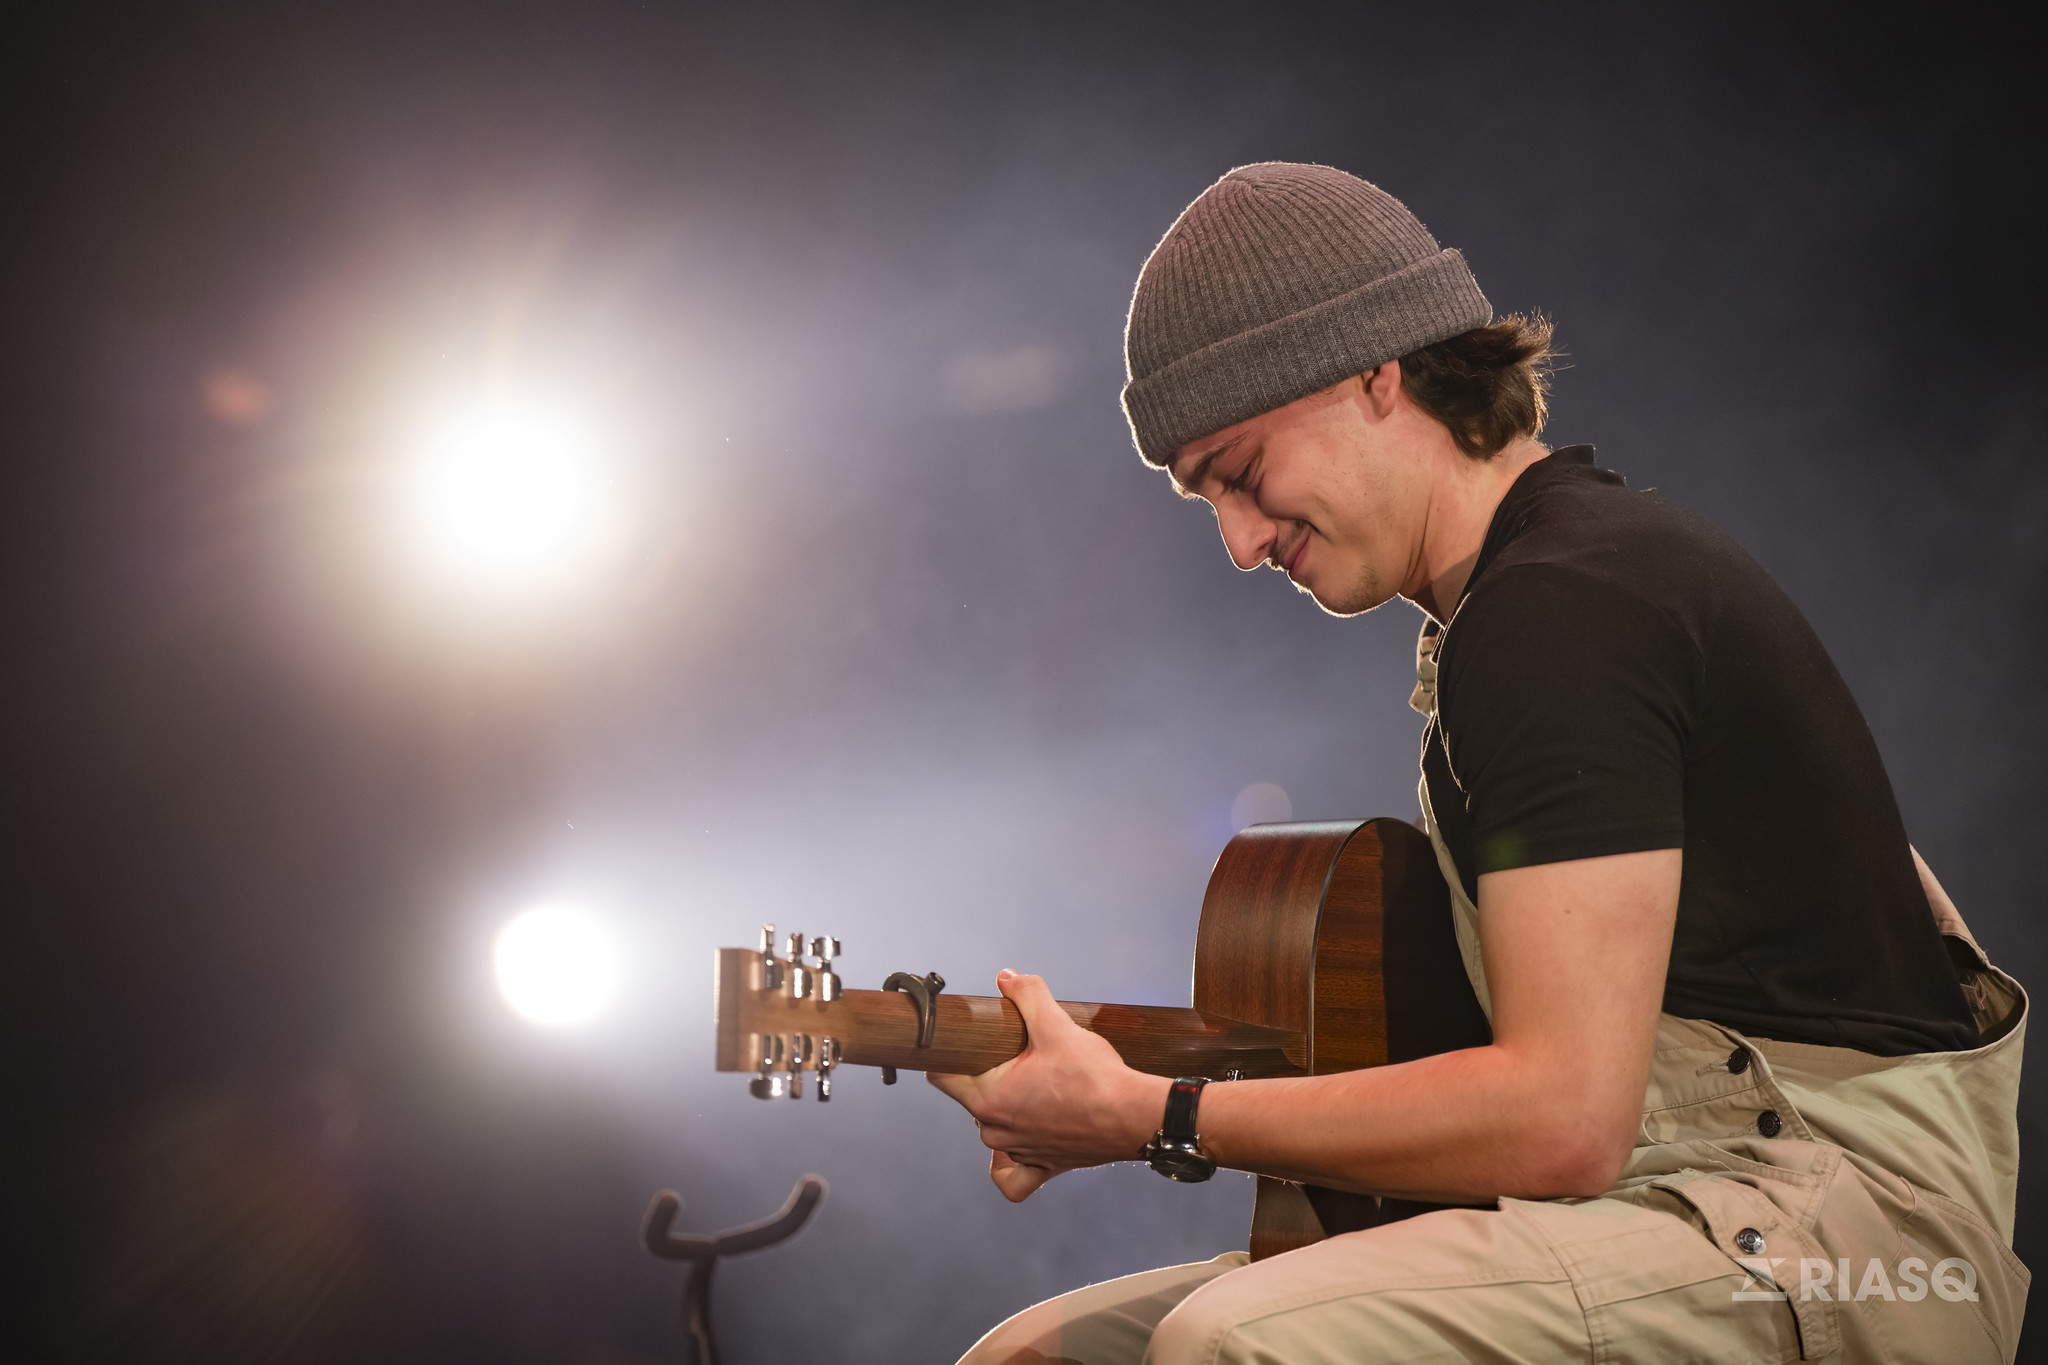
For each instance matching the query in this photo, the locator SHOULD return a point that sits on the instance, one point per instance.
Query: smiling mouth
(1291, 556)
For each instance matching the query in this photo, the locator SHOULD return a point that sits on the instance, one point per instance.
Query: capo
(924, 996)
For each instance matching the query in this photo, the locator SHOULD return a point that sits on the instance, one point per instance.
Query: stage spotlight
(507, 493)
(556, 966)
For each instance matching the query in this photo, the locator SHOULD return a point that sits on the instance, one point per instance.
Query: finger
(1033, 999)
(1003, 1159)
(998, 1138)
(1017, 1181)
(965, 1089)
(970, 1091)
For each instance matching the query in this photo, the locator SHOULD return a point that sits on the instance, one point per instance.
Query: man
(1750, 1080)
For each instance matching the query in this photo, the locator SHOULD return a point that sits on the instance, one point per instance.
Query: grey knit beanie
(1281, 280)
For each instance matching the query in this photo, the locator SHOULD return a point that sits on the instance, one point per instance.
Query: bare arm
(1576, 954)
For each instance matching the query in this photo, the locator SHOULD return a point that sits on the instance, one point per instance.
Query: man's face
(1324, 489)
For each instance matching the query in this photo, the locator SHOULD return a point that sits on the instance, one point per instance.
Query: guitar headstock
(773, 1014)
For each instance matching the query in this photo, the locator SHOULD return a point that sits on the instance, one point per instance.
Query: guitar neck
(972, 1033)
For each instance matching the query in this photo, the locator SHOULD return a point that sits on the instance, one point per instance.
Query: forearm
(1463, 1126)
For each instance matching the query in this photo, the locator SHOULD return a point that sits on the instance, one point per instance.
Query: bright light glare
(507, 493)
(556, 966)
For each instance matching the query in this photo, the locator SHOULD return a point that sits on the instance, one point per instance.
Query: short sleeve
(1567, 705)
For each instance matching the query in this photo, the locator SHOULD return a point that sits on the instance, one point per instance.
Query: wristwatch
(1172, 1151)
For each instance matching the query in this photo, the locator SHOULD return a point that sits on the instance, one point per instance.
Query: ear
(1380, 390)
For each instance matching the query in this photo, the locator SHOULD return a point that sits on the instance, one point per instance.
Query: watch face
(1176, 1162)
(1192, 1167)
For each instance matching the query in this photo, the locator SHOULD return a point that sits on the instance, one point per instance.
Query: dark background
(910, 648)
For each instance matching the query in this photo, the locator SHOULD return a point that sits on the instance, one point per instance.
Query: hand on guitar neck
(1065, 1102)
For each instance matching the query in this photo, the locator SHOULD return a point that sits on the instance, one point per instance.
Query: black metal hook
(702, 1252)
(924, 994)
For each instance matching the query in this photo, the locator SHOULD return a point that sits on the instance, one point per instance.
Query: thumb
(1033, 999)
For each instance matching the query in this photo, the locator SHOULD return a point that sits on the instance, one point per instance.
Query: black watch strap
(1179, 1124)
(1173, 1151)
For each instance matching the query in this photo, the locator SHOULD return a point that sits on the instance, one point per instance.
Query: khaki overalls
(1784, 1202)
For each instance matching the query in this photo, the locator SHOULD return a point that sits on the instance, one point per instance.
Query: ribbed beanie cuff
(1281, 280)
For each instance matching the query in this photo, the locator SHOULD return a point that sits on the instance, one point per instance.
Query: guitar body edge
(1291, 936)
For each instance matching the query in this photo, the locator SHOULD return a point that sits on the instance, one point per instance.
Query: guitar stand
(702, 1252)
(924, 994)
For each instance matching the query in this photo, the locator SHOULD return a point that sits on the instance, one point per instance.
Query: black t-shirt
(1621, 676)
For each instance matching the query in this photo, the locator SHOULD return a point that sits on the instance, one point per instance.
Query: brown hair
(1487, 386)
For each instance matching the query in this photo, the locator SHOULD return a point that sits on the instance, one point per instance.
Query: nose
(1248, 533)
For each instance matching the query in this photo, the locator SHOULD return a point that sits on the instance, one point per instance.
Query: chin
(1331, 606)
(1359, 599)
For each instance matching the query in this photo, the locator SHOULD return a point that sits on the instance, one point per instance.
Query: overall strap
(1464, 914)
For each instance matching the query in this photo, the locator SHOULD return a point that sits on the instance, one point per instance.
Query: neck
(1465, 495)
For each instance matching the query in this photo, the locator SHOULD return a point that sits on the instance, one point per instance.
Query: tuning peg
(799, 1053)
(770, 1084)
(771, 967)
(828, 1057)
(825, 949)
(799, 975)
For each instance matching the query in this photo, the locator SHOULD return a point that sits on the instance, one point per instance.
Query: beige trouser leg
(1600, 1281)
(1105, 1324)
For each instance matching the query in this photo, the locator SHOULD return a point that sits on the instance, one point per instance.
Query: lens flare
(1261, 803)
(556, 966)
(507, 493)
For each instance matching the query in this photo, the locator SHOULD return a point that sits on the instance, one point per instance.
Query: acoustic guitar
(1322, 947)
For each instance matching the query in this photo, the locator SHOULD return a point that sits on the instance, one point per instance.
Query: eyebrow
(1200, 471)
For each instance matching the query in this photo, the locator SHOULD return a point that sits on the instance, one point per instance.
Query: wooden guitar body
(1294, 936)
(1322, 947)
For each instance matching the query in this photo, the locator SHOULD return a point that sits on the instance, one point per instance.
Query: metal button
(1738, 1061)
(1749, 1242)
(1768, 1123)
